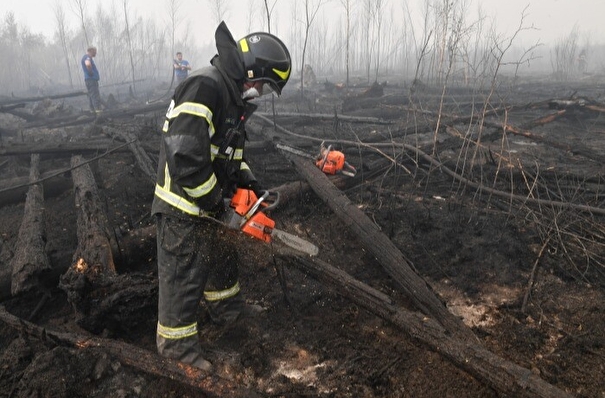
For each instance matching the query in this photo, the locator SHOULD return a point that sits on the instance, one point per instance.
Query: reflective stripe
(177, 201)
(192, 108)
(177, 333)
(222, 294)
(213, 151)
(237, 155)
(164, 193)
(282, 73)
(244, 166)
(203, 189)
(165, 127)
(244, 45)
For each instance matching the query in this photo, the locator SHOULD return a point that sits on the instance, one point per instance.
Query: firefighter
(201, 163)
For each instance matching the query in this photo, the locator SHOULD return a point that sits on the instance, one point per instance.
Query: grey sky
(553, 19)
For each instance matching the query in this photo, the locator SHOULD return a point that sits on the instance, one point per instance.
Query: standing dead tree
(347, 6)
(79, 7)
(311, 8)
(269, 12)
(62, 34)
(564, 55)
(129, 45)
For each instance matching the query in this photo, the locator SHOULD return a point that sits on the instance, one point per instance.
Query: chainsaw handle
(272, 204)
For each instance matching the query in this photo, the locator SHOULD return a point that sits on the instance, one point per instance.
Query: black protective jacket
(202, 148)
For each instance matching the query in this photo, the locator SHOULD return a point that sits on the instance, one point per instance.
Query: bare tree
(220, 9)
(173, 18)
(564, 55)
(377, 15)
(62, 36)
(129, 44)
(311, 8)
(347, 6)
(79, 7)
(269, 12)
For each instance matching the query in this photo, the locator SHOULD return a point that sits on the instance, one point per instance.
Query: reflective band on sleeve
(214, 151)
(222, 294)
(244, 166)
(203, 189)
(177, 201)
(164, 193)
(177, 333)
(192, 108)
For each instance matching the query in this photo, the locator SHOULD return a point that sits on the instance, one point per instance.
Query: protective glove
(256, 188)
(218, 210)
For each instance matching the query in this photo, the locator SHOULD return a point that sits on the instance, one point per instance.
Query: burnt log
(93, 266)
(385, 251)
(328, 117)
(30, 261)
(64, 149)
(102, 299)
(143, 160)
(96, 244)
(377, 243)
(52, 183)
(504, 376)
(210, 385)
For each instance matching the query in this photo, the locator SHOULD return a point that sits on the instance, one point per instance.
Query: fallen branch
(63, 171)
(385, 251)
(209, 384)
(504, 376)
(328, 117)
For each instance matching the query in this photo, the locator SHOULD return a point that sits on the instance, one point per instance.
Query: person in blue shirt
(91, 78)
(181, 68)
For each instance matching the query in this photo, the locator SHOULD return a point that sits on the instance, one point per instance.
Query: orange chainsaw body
(257, 225)
(331, 162)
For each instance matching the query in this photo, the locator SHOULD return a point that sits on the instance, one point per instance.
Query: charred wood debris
(99, 294)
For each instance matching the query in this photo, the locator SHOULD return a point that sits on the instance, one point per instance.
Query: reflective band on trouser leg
(177, 333)
(222, 294)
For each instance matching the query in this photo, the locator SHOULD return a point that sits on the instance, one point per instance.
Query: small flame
(81, 265)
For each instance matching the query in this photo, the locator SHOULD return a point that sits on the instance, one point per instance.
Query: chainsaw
(328, 160)
(247, 212)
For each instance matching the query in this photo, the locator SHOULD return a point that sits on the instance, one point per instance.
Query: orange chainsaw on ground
(328, 160)
(246, 212)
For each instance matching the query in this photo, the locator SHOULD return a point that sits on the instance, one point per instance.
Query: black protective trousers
(197, 260)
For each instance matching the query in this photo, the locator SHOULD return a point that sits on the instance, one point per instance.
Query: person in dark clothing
(200, 165)
(91, 79)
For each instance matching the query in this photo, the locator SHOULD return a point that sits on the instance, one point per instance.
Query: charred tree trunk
(143, 160)
(387, 254)
(92, 264)
(209, 385)
(30, 261)
(96, 244)
(14, 190)
(102, 300)
(506, 377)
